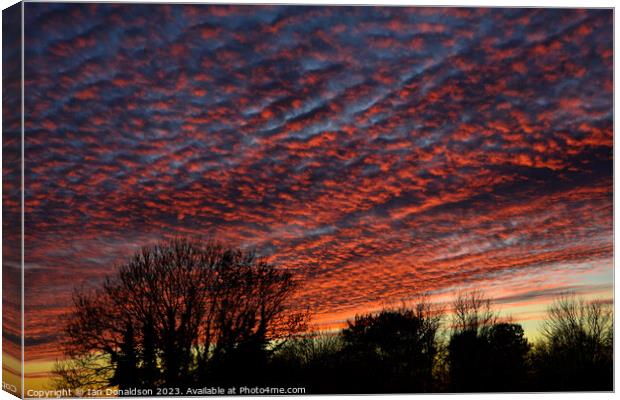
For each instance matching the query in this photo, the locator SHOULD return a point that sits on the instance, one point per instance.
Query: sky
(379, 152)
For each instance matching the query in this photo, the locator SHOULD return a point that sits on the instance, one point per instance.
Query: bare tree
(570, 320)
(173, 308)
(472, 312)
(576, 352)
(311, 348)
(89, 371)
(249, 318)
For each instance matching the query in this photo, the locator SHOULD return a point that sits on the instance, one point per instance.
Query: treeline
(186, 314)
(409, 350)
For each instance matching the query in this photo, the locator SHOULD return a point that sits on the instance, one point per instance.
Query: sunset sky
(381, 153)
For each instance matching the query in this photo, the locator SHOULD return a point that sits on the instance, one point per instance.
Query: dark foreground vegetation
(406, 350)
(189, 314)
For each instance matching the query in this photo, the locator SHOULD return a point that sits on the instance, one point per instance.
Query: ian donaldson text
(108, 392)
(134, 392)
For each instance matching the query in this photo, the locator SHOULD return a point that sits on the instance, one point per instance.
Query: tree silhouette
(577, 348)
(507, 359)
(173, 312)
(467, 356)
(248, 316)
(484, 354)
(468, 347)
(392, 351)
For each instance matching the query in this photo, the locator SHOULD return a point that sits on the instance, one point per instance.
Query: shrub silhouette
(576, 352)
(176, 313)
(312, 361)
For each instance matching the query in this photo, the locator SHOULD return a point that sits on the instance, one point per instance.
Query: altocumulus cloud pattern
(380, 152)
